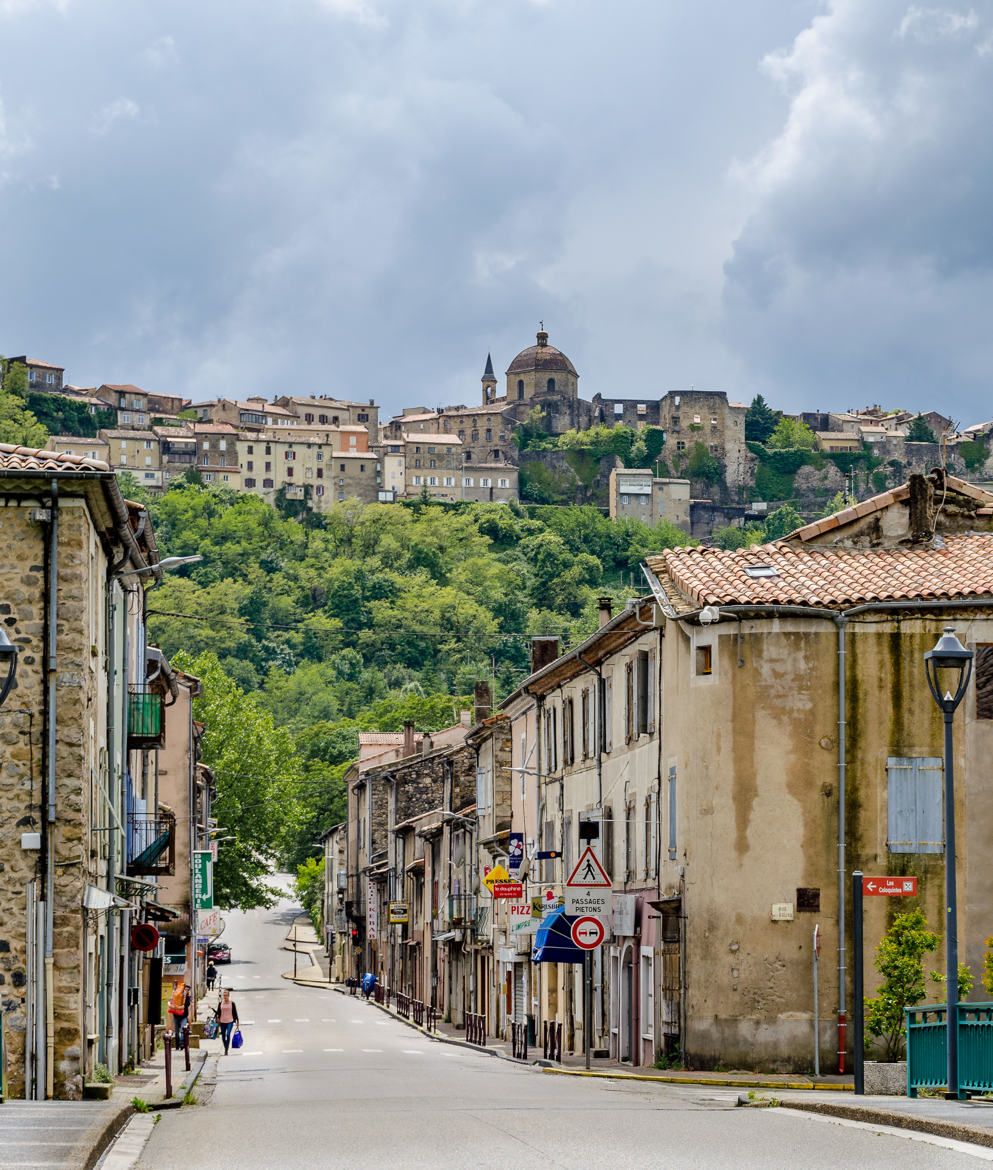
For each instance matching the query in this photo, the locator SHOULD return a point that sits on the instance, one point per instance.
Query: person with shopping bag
(227, 1017)
(179, 1009)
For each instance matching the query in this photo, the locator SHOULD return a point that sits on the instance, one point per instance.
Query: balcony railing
(151, 845)
(146, 717)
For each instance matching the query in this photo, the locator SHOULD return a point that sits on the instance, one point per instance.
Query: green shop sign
(203, 880)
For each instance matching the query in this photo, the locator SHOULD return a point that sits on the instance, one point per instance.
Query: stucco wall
(755, 747)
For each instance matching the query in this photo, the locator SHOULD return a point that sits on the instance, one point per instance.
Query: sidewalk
(73, 1135)
(966, 1121)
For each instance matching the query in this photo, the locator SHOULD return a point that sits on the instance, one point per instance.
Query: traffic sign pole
(588, 1007)
(858, 1005)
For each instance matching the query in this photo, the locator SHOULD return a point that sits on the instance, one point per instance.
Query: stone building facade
(72, 580)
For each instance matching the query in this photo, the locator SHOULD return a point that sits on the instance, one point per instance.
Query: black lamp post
(949, 668)
(8, 664)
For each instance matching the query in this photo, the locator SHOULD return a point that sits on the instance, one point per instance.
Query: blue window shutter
(900, 797)
(914, 806)
(929, 785)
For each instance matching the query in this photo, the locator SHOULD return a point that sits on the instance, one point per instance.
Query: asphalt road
(324, 1080)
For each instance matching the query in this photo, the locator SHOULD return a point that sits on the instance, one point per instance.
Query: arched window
(520, 387)
(550, 387)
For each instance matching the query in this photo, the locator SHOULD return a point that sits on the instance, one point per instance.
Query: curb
(720, 1082)
(109, 1134)
(946, 1129)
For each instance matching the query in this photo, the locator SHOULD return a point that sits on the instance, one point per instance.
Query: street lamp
(949, 667)
(8, 664)
(165, 564)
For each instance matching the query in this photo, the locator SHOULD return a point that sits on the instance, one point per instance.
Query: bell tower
(489, 382)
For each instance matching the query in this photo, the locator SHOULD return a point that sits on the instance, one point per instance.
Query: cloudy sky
(363, 197)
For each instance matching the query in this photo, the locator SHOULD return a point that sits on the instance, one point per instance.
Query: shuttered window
(914, 813)
(984, 682)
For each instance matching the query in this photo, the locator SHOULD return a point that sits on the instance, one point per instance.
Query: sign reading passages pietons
(588, 889)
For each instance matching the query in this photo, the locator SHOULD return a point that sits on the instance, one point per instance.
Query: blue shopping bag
(236, 1040)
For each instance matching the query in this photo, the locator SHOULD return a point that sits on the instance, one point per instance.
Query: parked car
(219, 952)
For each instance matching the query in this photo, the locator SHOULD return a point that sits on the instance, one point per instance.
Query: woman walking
(227, 1017)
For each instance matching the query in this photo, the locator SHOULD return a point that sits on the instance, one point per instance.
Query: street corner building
(85, 829)
(800, 742)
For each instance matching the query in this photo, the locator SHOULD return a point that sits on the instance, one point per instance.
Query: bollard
(168, 1063)
(186, 1045)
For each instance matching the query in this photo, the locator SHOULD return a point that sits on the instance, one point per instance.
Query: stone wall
(22, 770)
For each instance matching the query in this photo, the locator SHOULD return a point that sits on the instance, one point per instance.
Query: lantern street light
(8, 664)
(949, 667)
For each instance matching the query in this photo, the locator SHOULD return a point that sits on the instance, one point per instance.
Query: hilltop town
(694, 458)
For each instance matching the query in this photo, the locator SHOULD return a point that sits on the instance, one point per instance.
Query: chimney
(604, 609)
(544, 651)
(408, 738)
(482, 704)
(920, 507)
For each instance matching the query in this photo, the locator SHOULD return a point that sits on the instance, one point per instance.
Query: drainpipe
(48, 837)
(841, 622)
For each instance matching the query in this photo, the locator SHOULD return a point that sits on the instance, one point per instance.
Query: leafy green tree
(791, 433)
(309, 885)
(17, 424)
(900, 960)
(988, 966)
(258, 773)
(781, 522)
(919, 431)
(760, 420)
(838, 502)
(60, 415)
(732, 537)
(131, 489)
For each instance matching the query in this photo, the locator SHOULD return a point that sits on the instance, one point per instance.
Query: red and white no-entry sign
(587, 933)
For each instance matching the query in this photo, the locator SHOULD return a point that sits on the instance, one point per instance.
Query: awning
(159, 913)
(553, 942)
(151, 853)
(446, 936)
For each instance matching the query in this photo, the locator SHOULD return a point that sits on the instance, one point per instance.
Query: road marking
(298, 1021)
(325, 1020)
(256, 976)
(259, 1053)
(382, 1023)
(334, 1050)
(372, 1050)
(356, 1021)
(292, 1051)
(414, 1051)
(274, 1021)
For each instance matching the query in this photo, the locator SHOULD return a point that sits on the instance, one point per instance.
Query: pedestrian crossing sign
(589, 874)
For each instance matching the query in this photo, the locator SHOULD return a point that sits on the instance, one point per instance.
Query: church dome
(541, 357)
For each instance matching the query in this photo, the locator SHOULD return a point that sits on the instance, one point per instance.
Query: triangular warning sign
(589, 873)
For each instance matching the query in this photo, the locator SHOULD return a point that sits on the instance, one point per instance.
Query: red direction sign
(903, 887)
(508, 889)
(587, 933)
(589, 874)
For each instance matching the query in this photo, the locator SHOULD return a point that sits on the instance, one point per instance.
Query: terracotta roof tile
(832, 578)
(14, 458)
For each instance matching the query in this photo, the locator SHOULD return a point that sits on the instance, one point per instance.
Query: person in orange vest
(179, 1009)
